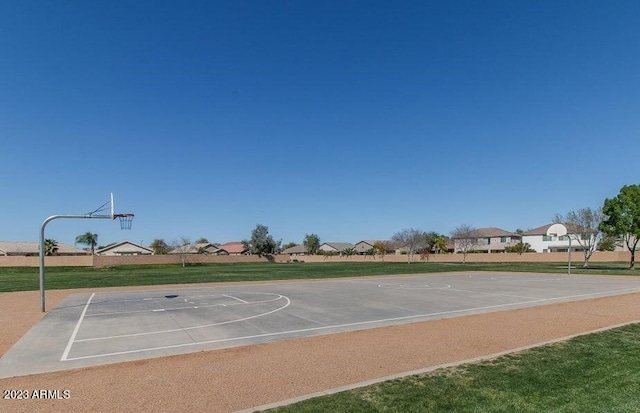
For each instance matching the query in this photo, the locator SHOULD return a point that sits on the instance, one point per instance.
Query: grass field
(26, 278)
(594, 373)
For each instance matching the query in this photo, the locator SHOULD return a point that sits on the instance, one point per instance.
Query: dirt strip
(239, 378)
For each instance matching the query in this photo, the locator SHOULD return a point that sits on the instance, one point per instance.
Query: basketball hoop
(99, 213)
(125, 220)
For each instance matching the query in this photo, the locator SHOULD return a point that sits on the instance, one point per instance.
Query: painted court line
(360, 323)
(162, 298)
(182, 308)
(235, 298)
(288, 302)
(498, 294)
(539, 278)
(76, 329)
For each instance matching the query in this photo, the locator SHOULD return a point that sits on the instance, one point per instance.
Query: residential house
(295, 250)
(489, 240)
(451, 248)
(541, 242)
(334, 247)
(365, 245)
(124, 248)
(233, 248)
(199, 248)
(32, 249)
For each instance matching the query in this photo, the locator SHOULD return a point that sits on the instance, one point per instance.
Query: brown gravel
(239, 378)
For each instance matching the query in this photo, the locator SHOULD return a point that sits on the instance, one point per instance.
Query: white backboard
(557, 230)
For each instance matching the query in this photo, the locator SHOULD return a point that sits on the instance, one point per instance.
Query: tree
(202, 240)
(89, 239)
(182, 248)
(520, 248)
(465, 240)
(371, 252)
(622, 218)
(440, 244)
(381, 248)
(311, 243)
(50, 247)
(289, 245)
(278, 248)
(261, 243)
(160, 247)
(434, 243)
(348, 252)
(584, 227)
(607, 244)
(410, 239)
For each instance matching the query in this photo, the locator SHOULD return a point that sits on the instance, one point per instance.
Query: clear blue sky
(348, 119)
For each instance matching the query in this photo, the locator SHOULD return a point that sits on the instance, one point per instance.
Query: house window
(547, 238)
(504, 239)
(564, 238)
(488, 241)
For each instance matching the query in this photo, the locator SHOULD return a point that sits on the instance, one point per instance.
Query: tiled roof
(339, 246)
(112, 246)
(372, 242)
(543, 230)
(233, 247)
(491, 232)
(538, 231)
(20, 248)
(296, 249)
(194, 248)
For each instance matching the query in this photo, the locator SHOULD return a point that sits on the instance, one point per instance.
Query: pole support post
(41, 252)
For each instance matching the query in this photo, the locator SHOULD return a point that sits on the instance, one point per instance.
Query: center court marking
(415, 287)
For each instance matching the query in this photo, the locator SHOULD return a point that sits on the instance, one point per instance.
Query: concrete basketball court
(108, 327)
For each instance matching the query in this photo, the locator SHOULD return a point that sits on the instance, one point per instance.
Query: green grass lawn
(593, 373)
(26, 278)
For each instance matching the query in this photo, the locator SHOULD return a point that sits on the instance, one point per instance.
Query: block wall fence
(104, 261)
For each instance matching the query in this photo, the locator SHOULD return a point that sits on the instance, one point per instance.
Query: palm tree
(88, 239)
(50, 247)
(348, 252)
(440, 244)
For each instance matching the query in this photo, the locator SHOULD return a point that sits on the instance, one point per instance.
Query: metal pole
(569, 266)
(41, 252)
(41, 259)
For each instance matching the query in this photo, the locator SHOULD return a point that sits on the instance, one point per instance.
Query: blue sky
(348, 119)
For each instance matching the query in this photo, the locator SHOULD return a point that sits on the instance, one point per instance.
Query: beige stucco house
(32, 249)
(488, 240)
(124, 248)
(335, 247)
